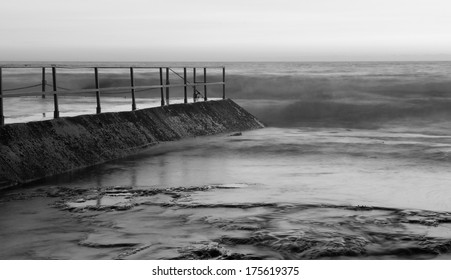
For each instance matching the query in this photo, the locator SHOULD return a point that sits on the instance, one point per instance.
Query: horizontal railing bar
(103, 66)
(68, 92)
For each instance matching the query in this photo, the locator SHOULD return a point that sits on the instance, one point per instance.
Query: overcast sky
(225, 30)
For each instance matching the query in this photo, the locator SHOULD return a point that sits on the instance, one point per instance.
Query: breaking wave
(293, 94)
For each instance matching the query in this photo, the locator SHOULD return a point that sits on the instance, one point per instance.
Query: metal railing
(164, 84)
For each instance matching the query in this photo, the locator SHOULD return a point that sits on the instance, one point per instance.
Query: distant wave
(284, 94)
(336, 87)
(331, 100)
(332, 113)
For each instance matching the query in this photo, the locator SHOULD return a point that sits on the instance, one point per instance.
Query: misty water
(354, 163)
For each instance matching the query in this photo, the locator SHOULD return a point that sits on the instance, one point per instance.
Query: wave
(286, 95)
(335, 87)
(336, 113)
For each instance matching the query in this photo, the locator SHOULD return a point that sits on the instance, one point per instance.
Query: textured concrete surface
(34, 150)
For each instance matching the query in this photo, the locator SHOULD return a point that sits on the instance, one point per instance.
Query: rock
(236, 134)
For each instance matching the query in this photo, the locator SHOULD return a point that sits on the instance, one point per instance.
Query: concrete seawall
(30, 151)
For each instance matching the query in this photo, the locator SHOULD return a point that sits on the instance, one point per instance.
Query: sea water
(354, 163)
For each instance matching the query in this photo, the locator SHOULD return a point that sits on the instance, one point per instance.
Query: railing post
(2, 117)
(223, 85)
(44, 82)
(167, 88)
(205, 82)
(56, 113)
(185, 88)
(161, 84)
(96, 76)
(194, 87)
(132, 83)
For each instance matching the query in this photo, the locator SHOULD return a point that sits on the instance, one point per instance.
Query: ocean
(353, 164)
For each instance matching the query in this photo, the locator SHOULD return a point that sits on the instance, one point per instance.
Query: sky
(225, 30)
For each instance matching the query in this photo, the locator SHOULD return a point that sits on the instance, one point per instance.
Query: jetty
(164, 83)
(35, 150)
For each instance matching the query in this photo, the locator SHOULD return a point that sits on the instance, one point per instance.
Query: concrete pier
(34, 150)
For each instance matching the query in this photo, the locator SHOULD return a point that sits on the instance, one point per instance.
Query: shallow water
(273, 193)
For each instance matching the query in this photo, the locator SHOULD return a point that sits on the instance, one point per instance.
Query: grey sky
(225, 30)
